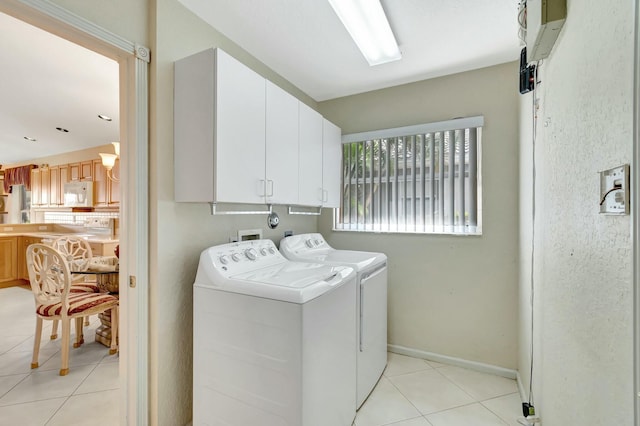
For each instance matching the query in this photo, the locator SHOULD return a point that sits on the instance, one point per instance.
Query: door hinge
(132, 281)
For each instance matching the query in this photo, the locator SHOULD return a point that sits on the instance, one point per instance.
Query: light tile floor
(415, 392)
(411, 392)
(87, 396)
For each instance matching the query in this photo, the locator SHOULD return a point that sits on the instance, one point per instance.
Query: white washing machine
(273, 340)
(371, 301)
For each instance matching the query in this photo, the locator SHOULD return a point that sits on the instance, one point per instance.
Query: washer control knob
(309, 243)
(272, 250)
(263, 251)
(235, 257)
(317, 242)
(224, 259)
(251, 254)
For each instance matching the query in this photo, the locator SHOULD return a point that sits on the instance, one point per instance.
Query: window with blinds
(416, 179)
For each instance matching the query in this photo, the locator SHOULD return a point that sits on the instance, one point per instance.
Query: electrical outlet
(614, 190)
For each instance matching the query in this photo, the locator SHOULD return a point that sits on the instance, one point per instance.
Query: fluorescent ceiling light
(368, 26)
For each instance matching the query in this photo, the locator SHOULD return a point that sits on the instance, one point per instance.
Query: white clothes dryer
(371, 301)
(273, 340)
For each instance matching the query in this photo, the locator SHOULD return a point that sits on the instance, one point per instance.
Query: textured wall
(451, 295)
(180, 231)
(583, 335)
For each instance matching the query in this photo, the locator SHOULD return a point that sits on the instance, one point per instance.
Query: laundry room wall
(582, 286)
(183, 230)
(450, 295)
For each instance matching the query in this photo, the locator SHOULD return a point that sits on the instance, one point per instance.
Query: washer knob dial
(251, 254)
(309, 243)
(235, 257)
(272, 250)
(317, 242)
(263, 251)
(224, 259)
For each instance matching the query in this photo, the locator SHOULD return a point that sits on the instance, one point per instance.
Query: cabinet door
(310, 157)
(281, 146)
(331, 164)
(36, 191)
(74, 171)
(64, 178)
(54, 186)
(22, 244)
(113, 189)
(86, 170)
(45, 182)
(100, 188)
(8, 260)
(240, 132)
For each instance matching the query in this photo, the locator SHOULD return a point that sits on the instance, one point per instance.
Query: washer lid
(294, 282)
(359, 260)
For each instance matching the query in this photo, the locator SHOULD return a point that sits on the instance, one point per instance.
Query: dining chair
(50, 280)
(77, 252)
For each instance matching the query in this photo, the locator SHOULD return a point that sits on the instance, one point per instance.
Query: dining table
(107, 279)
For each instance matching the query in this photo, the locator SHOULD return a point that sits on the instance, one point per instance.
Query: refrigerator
(18, 205)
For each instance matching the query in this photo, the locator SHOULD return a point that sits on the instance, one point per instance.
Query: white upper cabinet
(281, 146)
(331, 164)
(310, 157)
(238, 138)
(219, 125)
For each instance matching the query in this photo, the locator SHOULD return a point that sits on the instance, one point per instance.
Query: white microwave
(78, 194)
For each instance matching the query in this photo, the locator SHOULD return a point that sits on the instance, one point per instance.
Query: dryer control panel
(235, 258)
(305, 243)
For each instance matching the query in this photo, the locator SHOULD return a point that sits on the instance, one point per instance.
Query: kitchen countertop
(91, 238)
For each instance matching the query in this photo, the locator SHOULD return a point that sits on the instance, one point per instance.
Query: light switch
(614, 190)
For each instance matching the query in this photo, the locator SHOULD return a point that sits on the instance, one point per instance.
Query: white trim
(79, 23)
(521, 390)
(635, 216)
(458, 362)
(440, 126)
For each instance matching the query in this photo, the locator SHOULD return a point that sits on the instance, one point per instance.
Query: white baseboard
(458, 362)
(523, 393)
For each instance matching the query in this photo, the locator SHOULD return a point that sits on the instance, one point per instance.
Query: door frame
(133, 60)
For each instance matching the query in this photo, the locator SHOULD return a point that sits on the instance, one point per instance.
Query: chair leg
(79, 333)
(66, 336)
(114, 331)
(86, 320)
(54, 330)
(36, 343)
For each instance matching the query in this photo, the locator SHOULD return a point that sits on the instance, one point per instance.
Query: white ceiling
(48, 82)
(305, 42)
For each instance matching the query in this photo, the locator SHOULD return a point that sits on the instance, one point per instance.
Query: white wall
(583, 334)
(450, 295)
(179, 232)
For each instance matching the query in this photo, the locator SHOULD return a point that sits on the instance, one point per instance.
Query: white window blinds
(418, 179)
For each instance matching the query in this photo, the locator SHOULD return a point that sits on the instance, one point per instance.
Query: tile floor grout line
(498, 415)
(14, 386)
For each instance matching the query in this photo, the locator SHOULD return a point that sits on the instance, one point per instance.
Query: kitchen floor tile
(103, 377)
(20, 362)
(508, 408)
(385, 405)
(400, 364)
(30, 413)
(91, 352)
(89, 409)
(8, 382)
(480, 386)
(46, 385)
(473, 414)
(429, 391)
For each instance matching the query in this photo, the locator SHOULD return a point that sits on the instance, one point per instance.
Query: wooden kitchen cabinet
(102, 249)
(45, 182)
(55, 197)
(100, 179)
(21, 250)
(8, 259)
(113, 187)
(81, 171)
(36, 188)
